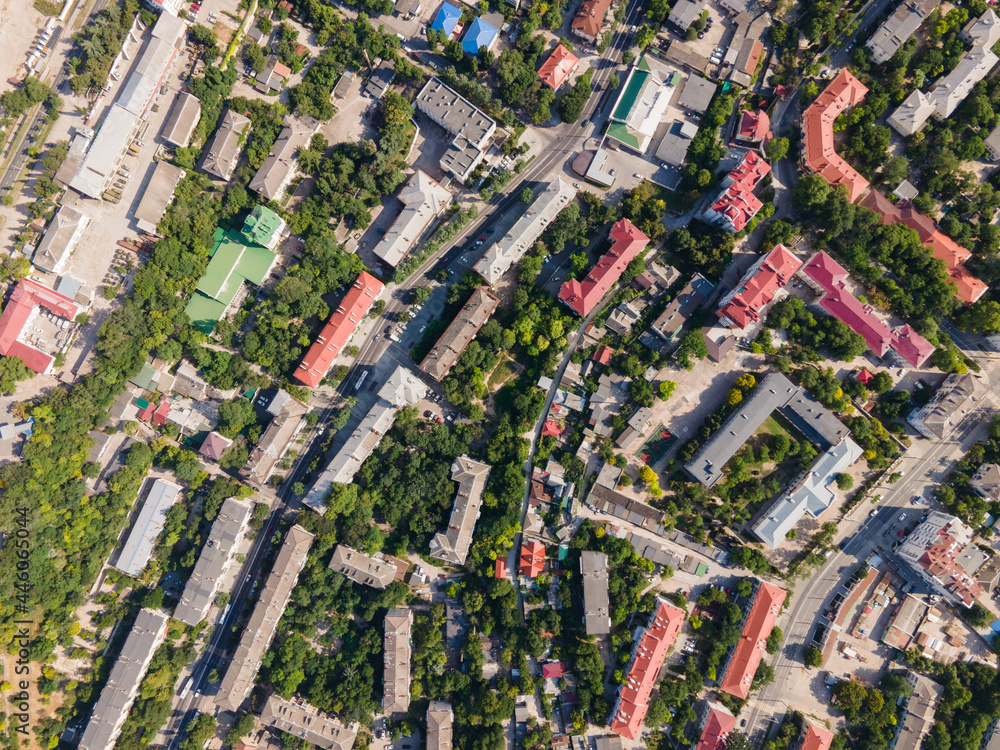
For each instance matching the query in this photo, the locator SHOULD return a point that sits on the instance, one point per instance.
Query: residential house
(957, 397)
(596, 607)
(396, 651)
(459, 333)
(423, 199)
(627, 243)
(308, 723)
(159, 496)
(222, 153)
(377, 572)
(750, 300)
(274, 443)
(280, 166)
(737, 672)
(737, 204)
(453, 545)
(941, 551)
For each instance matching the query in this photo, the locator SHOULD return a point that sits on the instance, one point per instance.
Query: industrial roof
(453, 544)
(583, 297)
(820, 154)
(339, 329)
(596, 607)
(157, 196)
(479, 34)
(558, 67)
(138, 547)
(838, 301)
(449, 347)
(264, 619)
(512, 247)
(182, 120)
(223, 150)
(60, 239)
(423, 199)
(740, 668)
(122, 688)
(215, 559)
(105, 150)
(648, 654)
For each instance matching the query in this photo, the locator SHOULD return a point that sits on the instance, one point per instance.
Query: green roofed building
(642, 104)
(232, 264)
(264, 227)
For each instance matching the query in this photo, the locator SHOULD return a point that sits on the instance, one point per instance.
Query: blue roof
(446, 19)
(480, 34)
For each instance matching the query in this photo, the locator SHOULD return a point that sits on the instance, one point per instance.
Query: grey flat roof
(817, 422)
(135, 552)
(423, 199)
(458, 114)
(158, 195)
(216, 557)
(280, 164)
(104, 154)
(120, 692)
(688, 299)
(182, 120)
(697, 93)
(263, 621)
(773, 391)
(596, 607)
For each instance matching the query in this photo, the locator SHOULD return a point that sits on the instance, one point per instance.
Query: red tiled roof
(160, 415)
(338, 331)
(558, 67)
(146, 414)
(718, 725)
(749, 649)
(939, 562)
(603, 355)
(754, 126)
(532, 560)
(628, 243)
(553, 669)
(861, 318)
(757, 290)
(816, 738)
(551, 428)
(968, 287)
(737, 202)
(282, 70)
(28, 295)
(589, 19)
(644, 669)
(500, 569)
(817, 123)
(864, 376)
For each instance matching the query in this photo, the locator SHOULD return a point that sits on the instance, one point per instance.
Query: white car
(902, 516)
(637, 175)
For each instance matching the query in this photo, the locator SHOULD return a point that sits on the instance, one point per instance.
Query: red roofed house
(16, 336)
(214, 446)
(589, 19)
(903, 345)
(716, 726)
(940, 549)
(754, 127)
(558, 67)
(603, 355)
(532, 560)
(160, 415)
(751, 298)
(582, 297)
(818, 152)
(967, 287)
(338, 331)
(738, 671)
(500, 570)
(737, 205)
(553, 669)
(816, 738)
(644, 669)
(551, 428)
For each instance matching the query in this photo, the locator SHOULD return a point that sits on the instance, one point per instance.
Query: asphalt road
(923, 466)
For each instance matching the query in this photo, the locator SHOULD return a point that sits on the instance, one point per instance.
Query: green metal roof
(261, 225)
(146, 379)
(619, 132)
(701, 570)
(225, 256)
(636, 80)
(204, 312)
(255, 264)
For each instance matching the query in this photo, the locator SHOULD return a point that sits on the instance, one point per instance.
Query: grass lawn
(500, 374)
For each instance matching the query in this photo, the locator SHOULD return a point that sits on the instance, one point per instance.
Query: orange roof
(968, 287)
(737, 202)
(758, 287)
(628, 243)
(338, 331)
(589, 19)
(282, 70)
(820, 156)
(816, 738)
(603, 355)
(532, 560)
(558, 67)
(644, 669)
(749, 649)
(718, 725)
(500, 570)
